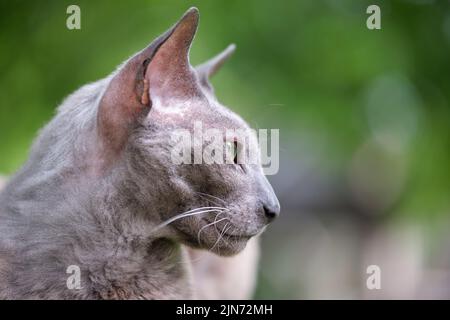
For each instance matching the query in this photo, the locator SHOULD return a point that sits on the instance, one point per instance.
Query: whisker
(210, 224)
(210, 200)
(203, 208)
(229, 236)
(223, 239)
(211, 196)
(184, 215)
(224, 230)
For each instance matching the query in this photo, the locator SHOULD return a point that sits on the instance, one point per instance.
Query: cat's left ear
(210, 67)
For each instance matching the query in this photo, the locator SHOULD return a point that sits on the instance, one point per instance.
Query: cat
(100, 191)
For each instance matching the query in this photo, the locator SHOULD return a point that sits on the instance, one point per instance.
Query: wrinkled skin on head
(156, 93)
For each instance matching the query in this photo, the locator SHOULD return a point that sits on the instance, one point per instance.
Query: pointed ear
(169, 73)
(159, 68)
(210, 67)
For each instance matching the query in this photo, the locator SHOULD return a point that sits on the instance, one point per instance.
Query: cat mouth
(239, 236)
(236, 234)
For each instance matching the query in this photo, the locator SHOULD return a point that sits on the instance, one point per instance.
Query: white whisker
(211, 196)
(210, 224)
(229, 236)
(224, 230)
(187, 214)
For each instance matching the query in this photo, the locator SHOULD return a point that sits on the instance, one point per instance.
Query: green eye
(231, 151)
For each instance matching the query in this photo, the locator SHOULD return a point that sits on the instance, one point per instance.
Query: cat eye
(232, 150)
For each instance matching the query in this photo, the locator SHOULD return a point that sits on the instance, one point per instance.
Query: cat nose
(271, 211)
(268, 199)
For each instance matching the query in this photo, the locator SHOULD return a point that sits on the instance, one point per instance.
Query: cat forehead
(208, 111)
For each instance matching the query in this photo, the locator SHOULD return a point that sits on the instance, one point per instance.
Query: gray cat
(100, 190)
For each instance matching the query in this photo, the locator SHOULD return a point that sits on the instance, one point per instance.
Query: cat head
(154, 96)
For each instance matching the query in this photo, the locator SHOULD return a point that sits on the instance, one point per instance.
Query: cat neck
(130, 260)
(103, 229)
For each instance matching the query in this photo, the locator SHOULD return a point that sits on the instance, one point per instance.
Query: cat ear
(210, 67)
(169, 73)
(159, 71)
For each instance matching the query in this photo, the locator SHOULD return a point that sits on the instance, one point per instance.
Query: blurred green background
(363, 118)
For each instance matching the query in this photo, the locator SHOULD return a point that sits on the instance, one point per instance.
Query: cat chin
(230, 247)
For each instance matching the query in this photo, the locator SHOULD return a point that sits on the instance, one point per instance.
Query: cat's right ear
(160, 68)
